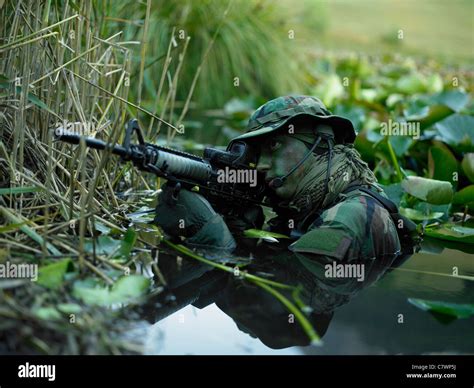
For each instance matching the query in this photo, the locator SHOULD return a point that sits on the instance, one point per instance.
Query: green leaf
(263, 234)
(452, 232)
(144, 214)
(468, 166)
(354, 113)
(401, 144)
(51, 276)
(434, 83)
(124, 290)
(40, 104)
(101, 227)
(453, 99)
(131, 286)
(411, 84)
(13, 218)
(330, 89)
(450, 311)
(368, 95)
(128, 243)
(104, 245)
(457, 131)
(239, 109)
(442, 164)
(417, 215)
(436, 114)
(427, 208)
(9, 228)
(18, 190)
(416, 110)
(69, 308)
(47, 313)
(31, 97)
(429, 190)
(465, 197)
(394, 192)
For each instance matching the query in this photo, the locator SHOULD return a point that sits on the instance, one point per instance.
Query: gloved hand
(188, 214)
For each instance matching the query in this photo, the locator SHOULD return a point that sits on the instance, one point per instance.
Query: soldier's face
(278, 156)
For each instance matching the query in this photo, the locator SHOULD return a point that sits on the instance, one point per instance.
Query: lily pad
(434, 83)
(444, 311)
(104, 245)
(416, 110)
(330, 89)
(436, 245)
(401, 144)
(417, 215)
(118, 249)
(442, 164)
(453, 99)
(126, 289)
(394, 192)
(465, 197)
(452, 232)
(52, 275)
(430, 190)
(436, 113)
(468, 166)
(354, 113)
(457, 131)
(411, 84)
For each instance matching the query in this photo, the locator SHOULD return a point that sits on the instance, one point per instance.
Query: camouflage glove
(190, 215)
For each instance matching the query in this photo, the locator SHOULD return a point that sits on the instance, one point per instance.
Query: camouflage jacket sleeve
(356, 230)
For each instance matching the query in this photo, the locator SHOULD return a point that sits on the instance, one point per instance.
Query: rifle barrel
(178, 164)
(90, 142)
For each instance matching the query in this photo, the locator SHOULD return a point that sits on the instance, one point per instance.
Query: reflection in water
(324, 288)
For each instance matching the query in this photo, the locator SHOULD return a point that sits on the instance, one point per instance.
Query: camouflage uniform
(354, 227)
(356, 230)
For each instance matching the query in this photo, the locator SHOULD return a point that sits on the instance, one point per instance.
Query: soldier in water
(344, 231)
(328, 199)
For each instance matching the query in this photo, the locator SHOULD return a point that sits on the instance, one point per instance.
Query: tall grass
(61, 62)
(65, 65)
(259, 49)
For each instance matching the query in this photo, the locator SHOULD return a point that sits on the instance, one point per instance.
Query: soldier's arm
(356, 231)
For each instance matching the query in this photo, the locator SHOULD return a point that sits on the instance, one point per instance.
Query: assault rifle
(185, 170)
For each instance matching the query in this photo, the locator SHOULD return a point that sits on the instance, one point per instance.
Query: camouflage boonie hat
(276, 113)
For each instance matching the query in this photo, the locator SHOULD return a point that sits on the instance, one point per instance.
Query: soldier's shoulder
(353, 225)
(355, 214)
